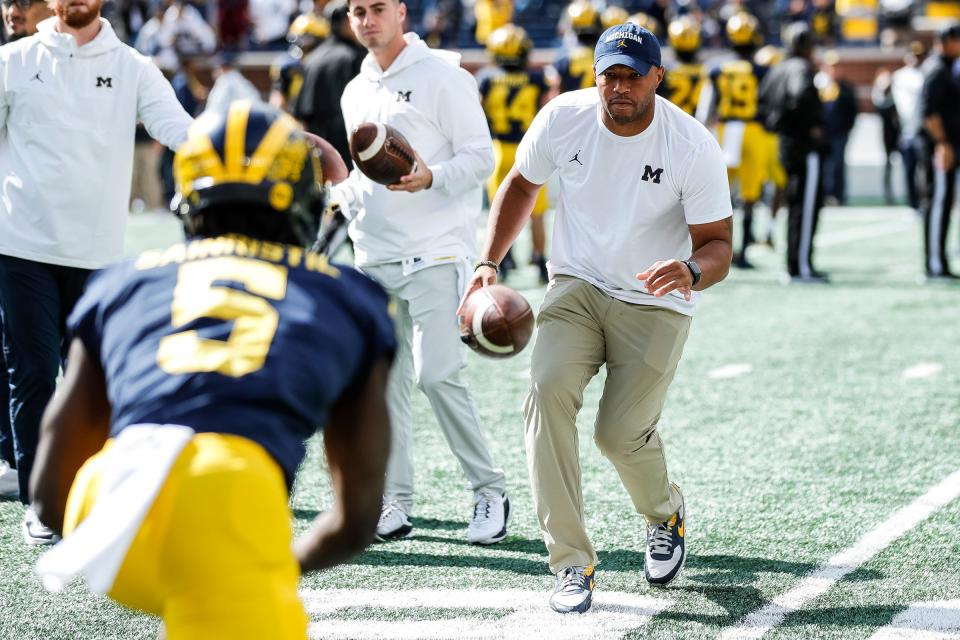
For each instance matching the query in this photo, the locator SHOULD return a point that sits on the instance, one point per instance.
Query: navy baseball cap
(628, 44)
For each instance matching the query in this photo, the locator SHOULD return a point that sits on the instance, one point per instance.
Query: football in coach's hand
(381, 152)
(497, 321)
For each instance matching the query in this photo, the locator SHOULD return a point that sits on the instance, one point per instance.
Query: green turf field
(801, 418)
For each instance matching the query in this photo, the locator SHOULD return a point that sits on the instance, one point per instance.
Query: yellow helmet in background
(743, 30)
(684, 34)
(646, 21)
(308, 30)
(509, 45)
(769, 56)
(583, 17)
(613, 15)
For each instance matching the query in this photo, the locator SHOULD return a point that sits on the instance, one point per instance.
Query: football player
(196, 374)
(684, 80)
(769, 56)
(613, 15)
(306, 32)
(732, 97)
(646, 21)
(512, 94)
(575, 67)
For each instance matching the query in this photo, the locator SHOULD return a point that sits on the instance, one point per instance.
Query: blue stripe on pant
(35, 300)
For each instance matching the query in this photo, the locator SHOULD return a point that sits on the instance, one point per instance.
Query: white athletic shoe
(394, 523)
(9, 483)
(574, 590)
(35, 532)
(491, 512)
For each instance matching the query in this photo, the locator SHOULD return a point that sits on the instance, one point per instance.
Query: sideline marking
(526, 614)
(865, 232)
(938, 619)
(733, 370)
(922, 370)
(826, 575)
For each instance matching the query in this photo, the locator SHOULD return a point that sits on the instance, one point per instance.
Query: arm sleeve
(534, 159)
(462, 121)
(159, 110)
(704, 190)
(4, 105)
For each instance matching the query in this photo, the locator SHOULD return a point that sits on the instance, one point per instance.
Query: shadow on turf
(728, 581)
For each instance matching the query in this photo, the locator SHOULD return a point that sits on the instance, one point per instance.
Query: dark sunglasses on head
(23, 4)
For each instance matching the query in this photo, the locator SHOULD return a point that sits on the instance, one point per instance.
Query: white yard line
(733, 370)
(938, 620)
(922, 370)
(865, 232)
(819, 582)
(526, 614)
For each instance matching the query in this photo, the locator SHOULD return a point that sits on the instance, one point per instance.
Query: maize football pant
(213, 556)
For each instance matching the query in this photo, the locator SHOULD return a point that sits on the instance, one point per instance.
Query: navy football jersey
(576, 69)
(233, 335)
(737, 87)
(511, 99)
(286, 76)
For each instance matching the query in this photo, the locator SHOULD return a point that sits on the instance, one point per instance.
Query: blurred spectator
(306, 33)
(228, 85)
(190, 94)
(233, 20)
(327, 70)
(840, 112)
(20, 17)
(823, 21)
(269, 22)
(859, 20)
(882, 99)
(896, 17)
(132, 15)
(441, 23)
(177, 30)
(490, 15)
(906, 86)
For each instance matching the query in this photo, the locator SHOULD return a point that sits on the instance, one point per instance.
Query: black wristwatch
(694, 269)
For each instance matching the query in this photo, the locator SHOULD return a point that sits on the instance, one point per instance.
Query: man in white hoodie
(70, 98)
(417, 238)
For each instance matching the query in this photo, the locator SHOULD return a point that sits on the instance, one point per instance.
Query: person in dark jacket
(839, 113)
(792, 107)
(327, 70)
(941, 132)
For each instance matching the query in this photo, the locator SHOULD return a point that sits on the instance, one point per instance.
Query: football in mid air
(381, 152)
(497, 321)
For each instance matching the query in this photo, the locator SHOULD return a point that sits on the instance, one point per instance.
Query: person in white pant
(417, 238)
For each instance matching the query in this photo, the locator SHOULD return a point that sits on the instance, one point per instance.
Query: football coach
(643, 222)
(70, 98)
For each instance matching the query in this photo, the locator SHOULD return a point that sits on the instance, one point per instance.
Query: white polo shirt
(624, 202)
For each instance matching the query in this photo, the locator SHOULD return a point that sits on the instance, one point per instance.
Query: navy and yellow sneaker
(666, 548)
(574, 590)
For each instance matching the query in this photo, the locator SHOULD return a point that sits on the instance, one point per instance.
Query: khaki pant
(430, 354)
(146, 175)
(579, 329)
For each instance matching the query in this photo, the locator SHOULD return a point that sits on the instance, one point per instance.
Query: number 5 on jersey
(254, 319)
